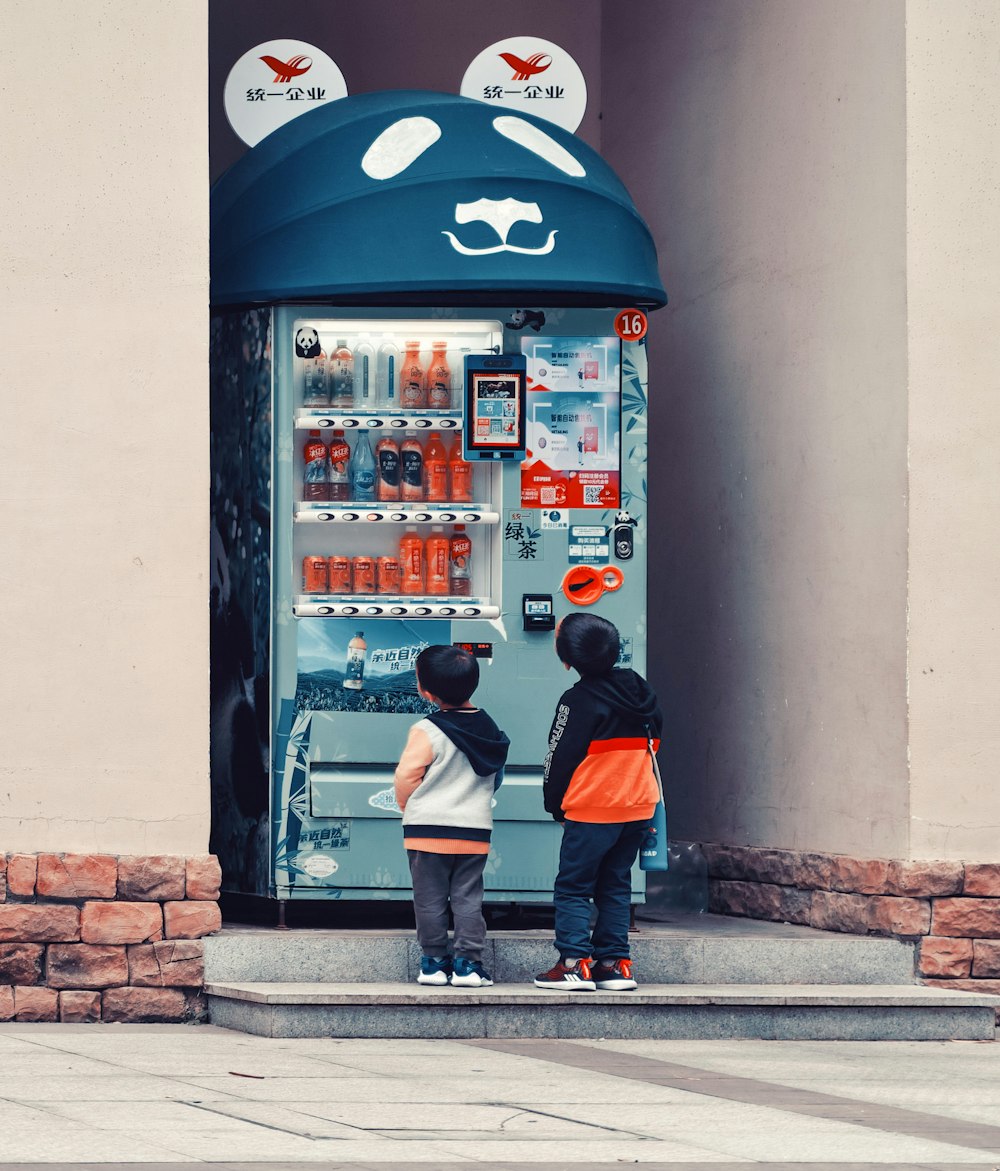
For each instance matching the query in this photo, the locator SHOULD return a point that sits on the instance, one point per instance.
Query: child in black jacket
(599, 783)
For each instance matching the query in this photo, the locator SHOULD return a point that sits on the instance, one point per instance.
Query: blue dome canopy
(415, 198)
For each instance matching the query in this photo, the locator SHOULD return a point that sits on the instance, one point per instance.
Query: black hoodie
(474, 733)
(598, 767)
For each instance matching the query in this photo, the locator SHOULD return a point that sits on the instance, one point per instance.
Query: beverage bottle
(364, 376)
(411, 562)
(460, 563)
(388, 375)
(314, 389)
(387, 469)
(435, 469)
(437, 554)
(439, 378)
(459, 472)
(362, 470)
(342, 377)
(357, 649)
(411, 459)
(412, 391)
(340, 458)
(315, 477)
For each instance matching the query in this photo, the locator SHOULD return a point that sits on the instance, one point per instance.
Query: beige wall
(813, 173)
(769, 160)
(953, 264)
(103, 439)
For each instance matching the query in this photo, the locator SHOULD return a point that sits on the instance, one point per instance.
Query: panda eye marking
(398, 146)
(539, 143)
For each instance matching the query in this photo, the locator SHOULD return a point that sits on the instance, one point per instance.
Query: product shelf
(391, 606)
(394, 512)
(324, 418)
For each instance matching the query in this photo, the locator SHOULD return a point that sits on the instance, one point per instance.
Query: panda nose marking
(501, 215)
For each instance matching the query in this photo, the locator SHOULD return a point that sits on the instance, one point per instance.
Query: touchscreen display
(494, 407)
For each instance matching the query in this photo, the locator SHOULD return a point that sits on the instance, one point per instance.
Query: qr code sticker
(548, 495)
(591, 494)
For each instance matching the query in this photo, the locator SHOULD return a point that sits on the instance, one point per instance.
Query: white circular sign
(320, 866)
(275, 82)
(531, 76)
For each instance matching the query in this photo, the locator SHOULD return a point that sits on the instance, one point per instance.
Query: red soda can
(364, 575)
(340, 575)
(314, 575)
(388, 575)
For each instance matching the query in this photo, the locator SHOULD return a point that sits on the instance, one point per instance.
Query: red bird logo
(284, 71)
(536, 63)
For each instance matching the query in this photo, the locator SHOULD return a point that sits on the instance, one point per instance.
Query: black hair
(448, 672)
(588, 642)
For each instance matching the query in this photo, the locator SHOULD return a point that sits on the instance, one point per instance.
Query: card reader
(538, 612)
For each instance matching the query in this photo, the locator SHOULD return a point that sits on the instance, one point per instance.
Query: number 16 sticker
(631, 325)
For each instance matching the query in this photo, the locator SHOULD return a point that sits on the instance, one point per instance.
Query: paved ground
(163, 1096)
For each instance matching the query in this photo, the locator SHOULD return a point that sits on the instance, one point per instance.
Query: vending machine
(429, 426)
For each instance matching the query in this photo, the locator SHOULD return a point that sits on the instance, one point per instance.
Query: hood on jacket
(626, 692)
(473, 732)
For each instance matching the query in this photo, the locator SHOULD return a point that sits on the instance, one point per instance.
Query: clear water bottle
(387, 395)
(364, 376)
(363, 470)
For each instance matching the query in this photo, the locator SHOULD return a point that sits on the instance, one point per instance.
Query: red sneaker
(572, 975)
(614, 975)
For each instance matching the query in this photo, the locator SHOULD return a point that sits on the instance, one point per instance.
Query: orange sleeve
(417, 755)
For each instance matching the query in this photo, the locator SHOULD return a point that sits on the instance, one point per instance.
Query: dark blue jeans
(595, 864)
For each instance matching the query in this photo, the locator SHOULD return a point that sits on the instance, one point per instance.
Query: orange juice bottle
(412, 391)
(460, 569)
(459, 472)
(438, 550)
(316, 468)
(439, 378)
(411, 463)
(411, 562)
(340, 459)
(435, 469)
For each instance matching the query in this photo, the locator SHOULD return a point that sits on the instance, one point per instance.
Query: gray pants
(440, 879)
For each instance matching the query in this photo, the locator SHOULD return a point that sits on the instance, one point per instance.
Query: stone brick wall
(951, 908)
(90, 937)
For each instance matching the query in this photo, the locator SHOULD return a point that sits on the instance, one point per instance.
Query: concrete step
(694, 949)
(659, 1011)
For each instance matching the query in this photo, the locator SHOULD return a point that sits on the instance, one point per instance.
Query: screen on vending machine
(495, 387)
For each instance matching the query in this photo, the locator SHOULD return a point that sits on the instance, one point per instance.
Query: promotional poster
(574, 423)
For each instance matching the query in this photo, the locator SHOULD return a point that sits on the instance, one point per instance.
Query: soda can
(364, 575)
(388, 575)
(340, 575)
(314, 575)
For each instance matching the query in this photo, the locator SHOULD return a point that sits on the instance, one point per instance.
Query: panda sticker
(623, 541)
(307, 343)
(519, 318)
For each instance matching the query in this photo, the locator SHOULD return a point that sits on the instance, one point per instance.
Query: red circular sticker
(631, 325)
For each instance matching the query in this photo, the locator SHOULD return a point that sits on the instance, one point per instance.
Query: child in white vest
(447, 775)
